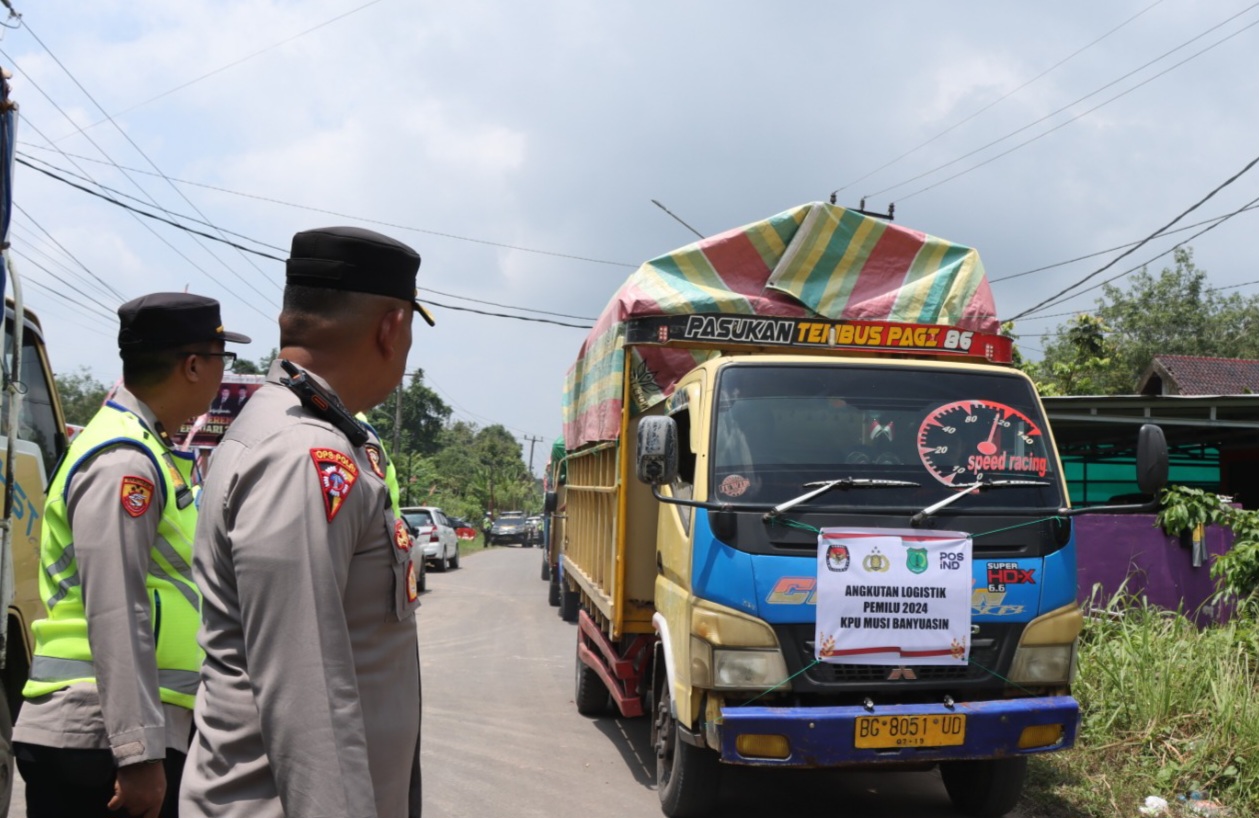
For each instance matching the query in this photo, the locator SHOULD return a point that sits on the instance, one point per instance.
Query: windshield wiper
(973, 488)
(823, 486)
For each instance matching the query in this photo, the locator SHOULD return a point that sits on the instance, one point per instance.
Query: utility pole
(532, 441)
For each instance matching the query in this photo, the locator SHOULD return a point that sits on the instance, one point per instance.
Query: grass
(1167, 709)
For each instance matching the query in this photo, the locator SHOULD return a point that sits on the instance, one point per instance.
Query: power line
(20, 239)
(146, 226)
(365, 219)
(995, 102)
(232, 64)
(1171, 249)
(1147, 239)
(1067, 106)
(106, 311)
(1112, 249)
(509, 306)
(172, 223)
(70, 255)
(138, 150)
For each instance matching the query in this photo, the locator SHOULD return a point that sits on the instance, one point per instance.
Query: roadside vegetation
(1167, 710)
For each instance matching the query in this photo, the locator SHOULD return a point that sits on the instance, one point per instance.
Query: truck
(33, 436)
(814, 517)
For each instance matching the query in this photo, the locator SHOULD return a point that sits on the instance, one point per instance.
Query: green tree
(424, 414)
(81, 395)
(1174, 313)
(244, 366)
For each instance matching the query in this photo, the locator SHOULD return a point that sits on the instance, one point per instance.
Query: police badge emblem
(136, 494)
(337, 475)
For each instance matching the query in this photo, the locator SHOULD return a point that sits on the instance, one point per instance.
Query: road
(501, 735)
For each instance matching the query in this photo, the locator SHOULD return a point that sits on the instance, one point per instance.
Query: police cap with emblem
(168, 320)
(355, 260)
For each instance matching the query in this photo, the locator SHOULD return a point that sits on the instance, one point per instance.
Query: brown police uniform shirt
(310, 694)
(123, 711)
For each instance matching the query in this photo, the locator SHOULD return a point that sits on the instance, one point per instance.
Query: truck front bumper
(826, 736)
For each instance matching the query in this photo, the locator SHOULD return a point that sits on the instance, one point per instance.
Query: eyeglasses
(229, 358)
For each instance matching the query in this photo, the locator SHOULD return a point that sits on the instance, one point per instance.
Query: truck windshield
(778, 427)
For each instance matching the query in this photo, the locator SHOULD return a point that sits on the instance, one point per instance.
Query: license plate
(887, 732)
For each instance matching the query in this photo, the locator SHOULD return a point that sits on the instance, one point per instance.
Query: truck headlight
(1043, 664)
(747, 669)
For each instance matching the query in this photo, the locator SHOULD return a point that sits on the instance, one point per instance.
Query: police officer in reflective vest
(310, 696)
(108, 712)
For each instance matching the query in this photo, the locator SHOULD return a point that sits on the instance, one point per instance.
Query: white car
(432, 532)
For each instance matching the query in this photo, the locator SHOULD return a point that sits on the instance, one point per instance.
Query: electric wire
(19, 237)
(365, 219)
(102, 312)
(995, 102)
(144, 224)
(1111, 249)
(96, 282)
(1067, 106)
(1147, 239)
(1147, 262)
(232, 64)
(146, 157)
(141, 212)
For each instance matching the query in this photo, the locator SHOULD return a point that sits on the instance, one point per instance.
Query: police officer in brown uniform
(108, 713)
(310, 694)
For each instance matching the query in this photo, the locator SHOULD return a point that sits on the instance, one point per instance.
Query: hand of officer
(139, 789)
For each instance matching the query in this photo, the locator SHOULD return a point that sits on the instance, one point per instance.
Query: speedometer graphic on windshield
(966, 441)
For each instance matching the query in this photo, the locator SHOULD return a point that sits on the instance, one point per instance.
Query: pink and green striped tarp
(813, 260)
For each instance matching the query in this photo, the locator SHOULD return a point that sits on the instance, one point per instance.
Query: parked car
(535, 529)
(464, 530)
(432, 531)
(510, 527)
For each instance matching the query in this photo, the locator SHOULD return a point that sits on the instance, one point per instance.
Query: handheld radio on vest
(315, 398)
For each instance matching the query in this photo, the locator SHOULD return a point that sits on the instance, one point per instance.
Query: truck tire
(553, 592)
(686, 776)
(546, 569)
(570, 602)
(589, 693)
(6, 751)
(984, 789)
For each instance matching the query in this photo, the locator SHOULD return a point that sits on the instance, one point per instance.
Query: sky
(519, 147)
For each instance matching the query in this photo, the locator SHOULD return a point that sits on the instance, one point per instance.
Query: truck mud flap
(622, 673)
(917, 733)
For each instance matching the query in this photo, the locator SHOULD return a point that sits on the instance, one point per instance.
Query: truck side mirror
(1151, 459)
(656, 456)
(550, 502)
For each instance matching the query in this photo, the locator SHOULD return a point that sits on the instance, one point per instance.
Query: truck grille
(991, 651)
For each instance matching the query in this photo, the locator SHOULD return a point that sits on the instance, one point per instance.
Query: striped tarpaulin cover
(813, 260)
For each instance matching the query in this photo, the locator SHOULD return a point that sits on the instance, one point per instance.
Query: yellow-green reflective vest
(63, 655)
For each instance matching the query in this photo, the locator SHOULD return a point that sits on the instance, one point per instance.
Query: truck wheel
(546, 569)
(6, 750)
(589, 693)
(570, 601)
(686, 776)
(553, 592)
(984, 789)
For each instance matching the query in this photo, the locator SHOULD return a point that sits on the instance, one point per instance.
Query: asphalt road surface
(502, 737)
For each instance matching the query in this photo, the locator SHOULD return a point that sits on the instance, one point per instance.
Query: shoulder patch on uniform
(375, 459)
(337, 473)
(136, 494)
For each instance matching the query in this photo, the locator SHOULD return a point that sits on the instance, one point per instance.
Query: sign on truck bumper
(837, 736)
